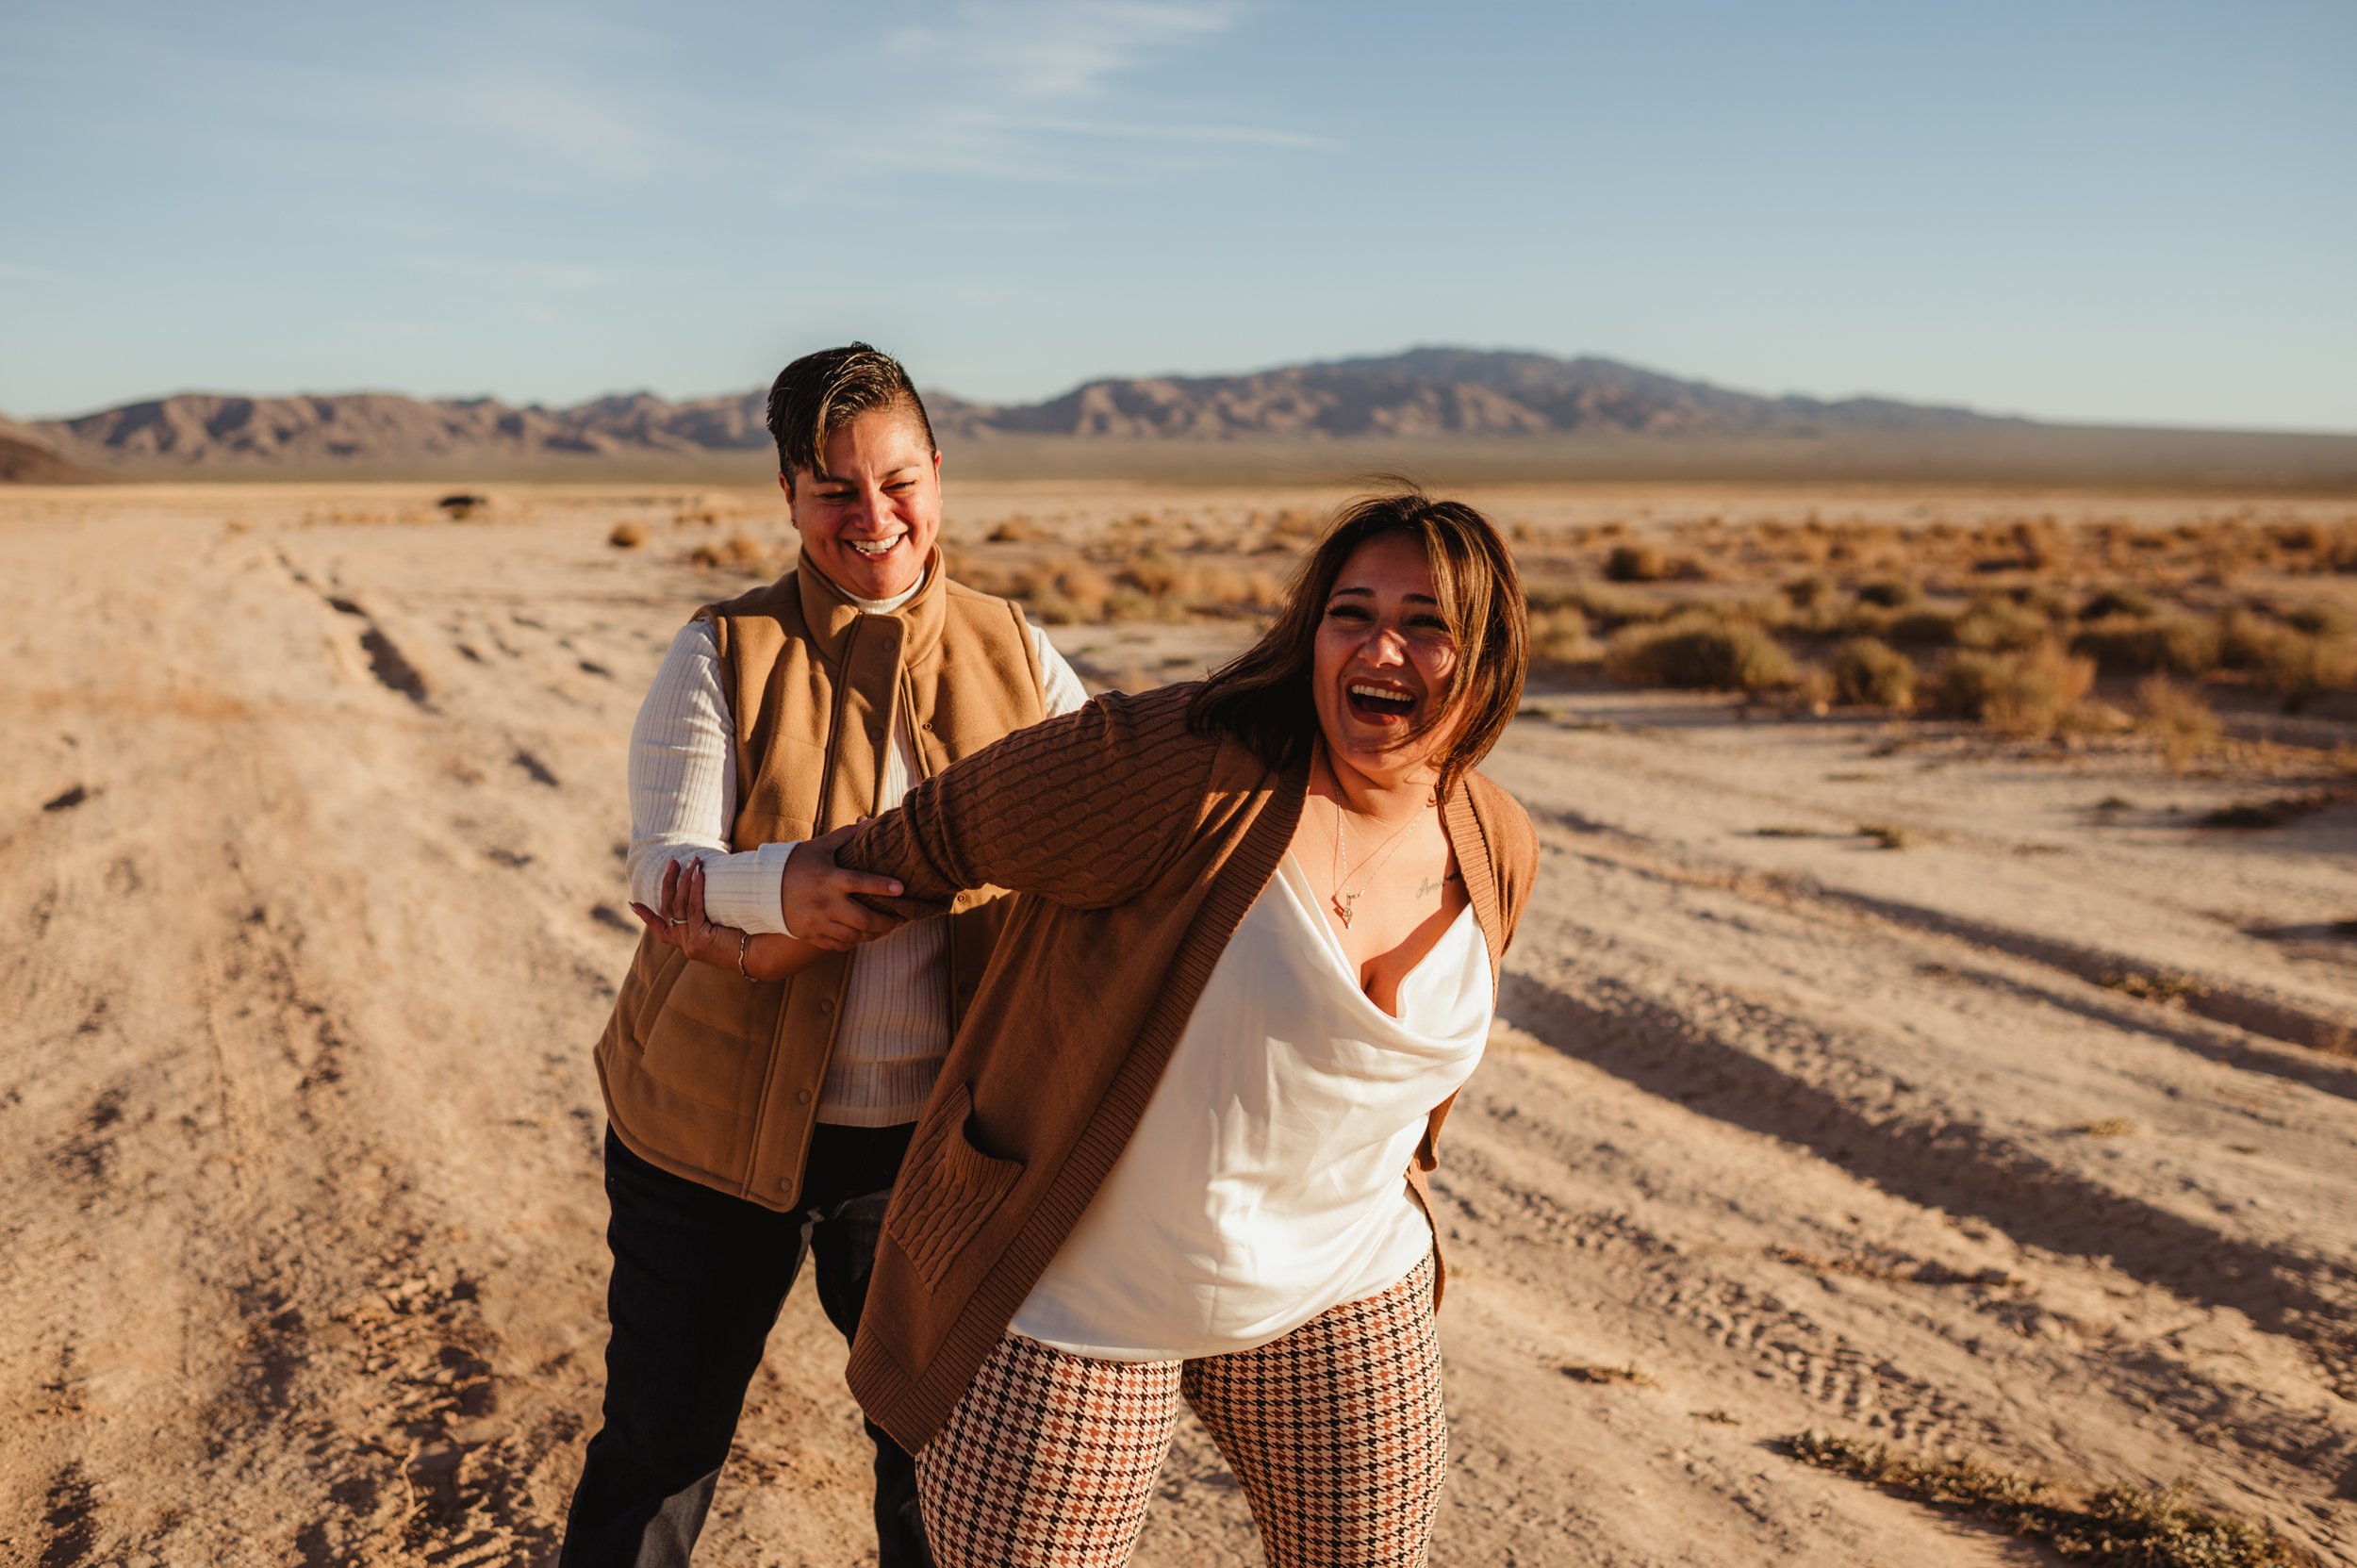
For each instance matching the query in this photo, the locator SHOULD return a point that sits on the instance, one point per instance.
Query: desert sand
(313, 832)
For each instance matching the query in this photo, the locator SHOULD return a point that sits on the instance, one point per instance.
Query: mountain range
(1419, 395)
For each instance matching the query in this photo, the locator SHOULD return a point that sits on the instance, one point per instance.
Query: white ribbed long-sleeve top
(894, 1027)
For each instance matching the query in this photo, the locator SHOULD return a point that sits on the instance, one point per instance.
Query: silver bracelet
(744, 938)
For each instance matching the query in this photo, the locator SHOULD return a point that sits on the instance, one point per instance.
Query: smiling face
(868, 518)
(1383, 662)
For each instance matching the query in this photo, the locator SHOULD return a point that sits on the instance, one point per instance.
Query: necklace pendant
(1342, 909)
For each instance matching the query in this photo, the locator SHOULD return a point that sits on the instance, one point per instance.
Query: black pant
(699, 1276)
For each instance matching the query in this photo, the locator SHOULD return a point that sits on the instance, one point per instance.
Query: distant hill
(208, 432)
(1451, 415)
(1433, 392)
(25, 458)
(1424, 393)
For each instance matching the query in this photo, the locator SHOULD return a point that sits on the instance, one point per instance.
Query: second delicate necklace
(1344, 900)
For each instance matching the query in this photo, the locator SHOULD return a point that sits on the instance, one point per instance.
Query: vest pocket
(947, 1189)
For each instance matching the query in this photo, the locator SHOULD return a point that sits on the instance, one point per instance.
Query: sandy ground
(312, 830)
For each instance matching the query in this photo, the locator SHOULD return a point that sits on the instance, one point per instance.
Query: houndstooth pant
(1335, 1430)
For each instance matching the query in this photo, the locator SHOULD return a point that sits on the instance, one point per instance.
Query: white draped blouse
(1266, 1181)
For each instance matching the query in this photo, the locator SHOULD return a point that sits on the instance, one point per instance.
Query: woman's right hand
(819, 897)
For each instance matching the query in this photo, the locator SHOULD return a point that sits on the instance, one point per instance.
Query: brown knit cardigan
(1138, 845)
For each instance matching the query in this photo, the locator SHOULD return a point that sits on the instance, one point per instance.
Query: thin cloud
(571, 277)
(1236, 136)
(1008, 86)
(1056, 49)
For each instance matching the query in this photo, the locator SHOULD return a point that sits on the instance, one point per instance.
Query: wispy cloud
(1044, 50)
(569, 277)
(1235, 136)
(1037, 91)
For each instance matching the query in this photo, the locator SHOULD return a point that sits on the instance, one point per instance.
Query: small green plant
(2117, 1526)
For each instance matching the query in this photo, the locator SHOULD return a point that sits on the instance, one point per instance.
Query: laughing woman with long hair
(1177, 1150)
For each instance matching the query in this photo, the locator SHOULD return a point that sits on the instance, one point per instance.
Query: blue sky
(2143, 212)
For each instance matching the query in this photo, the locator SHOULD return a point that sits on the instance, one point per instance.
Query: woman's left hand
(681, 922)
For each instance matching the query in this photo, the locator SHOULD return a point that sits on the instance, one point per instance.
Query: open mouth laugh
(1380, 704)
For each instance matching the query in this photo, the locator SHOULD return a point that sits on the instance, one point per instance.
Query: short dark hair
(820, 393)
(1262, 697)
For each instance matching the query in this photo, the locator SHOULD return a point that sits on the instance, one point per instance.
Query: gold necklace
(1346, 902)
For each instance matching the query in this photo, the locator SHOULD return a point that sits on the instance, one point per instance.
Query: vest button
(826, 1004)
(785, 1185)
(801, 1096)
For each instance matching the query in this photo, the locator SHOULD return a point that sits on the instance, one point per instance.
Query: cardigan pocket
(947, 1188)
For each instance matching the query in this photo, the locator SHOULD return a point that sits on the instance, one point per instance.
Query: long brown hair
(1262, 697)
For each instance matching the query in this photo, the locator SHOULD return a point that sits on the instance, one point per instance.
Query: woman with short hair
(1178, 1148)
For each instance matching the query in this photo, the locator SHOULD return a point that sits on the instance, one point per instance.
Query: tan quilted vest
(716, 1078)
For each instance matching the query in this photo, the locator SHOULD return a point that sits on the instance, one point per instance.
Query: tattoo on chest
(1430, 885)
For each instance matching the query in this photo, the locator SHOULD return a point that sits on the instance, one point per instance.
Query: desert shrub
(1815, 689)
(2030, 693)
(2179, 718)
(1560, 638)
(2249, 641)
(2179, 645)
(1014, 530)
(2319, 620)
(1700, 650)
(1873, 673)
(2117, 1526)
(1891, 594)
(1064, 590)
(2118, 601)
(626, 536)
(1922, 628)
(1611, 607)
(1635, 563)
(1835, 616)
(2002, 624)
(1810, 592)
(1157, 573)
(744, 554)
(2281, 656)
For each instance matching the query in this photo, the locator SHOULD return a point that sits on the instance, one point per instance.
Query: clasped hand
(819, 899)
